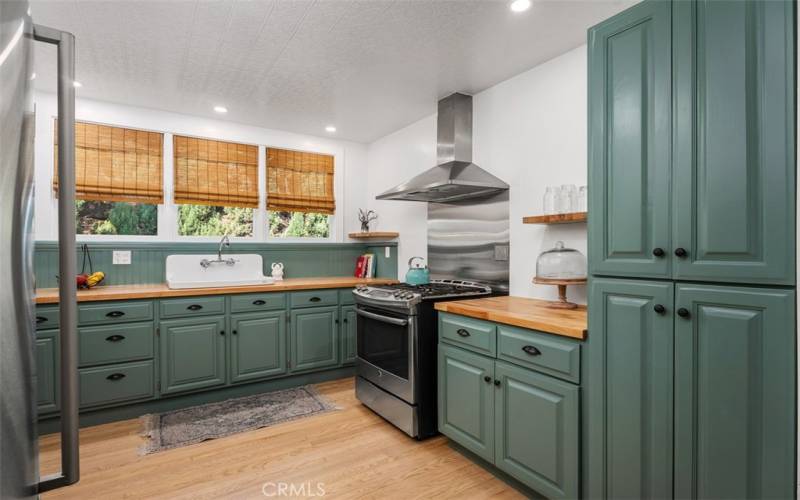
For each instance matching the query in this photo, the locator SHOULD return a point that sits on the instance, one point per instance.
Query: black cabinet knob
(487, 378)
(681, 252)
(659, 309)
(683, 312)
(497, 383)
(234, 332)
(222, 332)
(658, 252)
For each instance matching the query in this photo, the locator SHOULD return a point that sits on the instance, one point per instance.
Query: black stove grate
(439, 289)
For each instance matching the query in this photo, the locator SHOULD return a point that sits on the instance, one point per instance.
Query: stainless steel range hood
(455, 177)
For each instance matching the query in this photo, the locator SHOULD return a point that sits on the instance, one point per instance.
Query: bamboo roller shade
(299, 182)
(209, 172)
(115, 164)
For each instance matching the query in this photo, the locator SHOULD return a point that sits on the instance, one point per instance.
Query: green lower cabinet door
(348, 334)
(192, 353)
(734, 392)
(314, 338)
(47, 369)
(537, 430)
(629, 374)
(258, 346)
(466, 399)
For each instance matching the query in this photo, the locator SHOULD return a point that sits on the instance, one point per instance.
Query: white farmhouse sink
(186, 271)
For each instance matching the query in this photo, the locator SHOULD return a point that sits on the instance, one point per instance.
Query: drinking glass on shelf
(583, 199)
(550, 198)
(569, 198)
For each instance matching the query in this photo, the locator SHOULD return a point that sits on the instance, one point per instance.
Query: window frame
(167, 212)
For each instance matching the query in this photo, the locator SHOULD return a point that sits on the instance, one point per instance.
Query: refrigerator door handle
(68, 300)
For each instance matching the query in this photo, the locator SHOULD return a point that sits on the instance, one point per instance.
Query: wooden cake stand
(562, 302)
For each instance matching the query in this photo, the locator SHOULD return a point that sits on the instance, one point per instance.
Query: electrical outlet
(387, 252)
(121, 257)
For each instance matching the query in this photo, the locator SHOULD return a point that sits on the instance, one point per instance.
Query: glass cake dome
(560, 263)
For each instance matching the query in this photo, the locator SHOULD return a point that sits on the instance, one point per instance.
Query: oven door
(386, 343)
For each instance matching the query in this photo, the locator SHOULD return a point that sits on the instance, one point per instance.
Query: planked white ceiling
(369, 67)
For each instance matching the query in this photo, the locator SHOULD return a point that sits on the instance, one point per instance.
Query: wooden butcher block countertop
(523, 312)
(126, 292)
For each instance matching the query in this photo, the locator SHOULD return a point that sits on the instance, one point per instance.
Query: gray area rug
(164, 431)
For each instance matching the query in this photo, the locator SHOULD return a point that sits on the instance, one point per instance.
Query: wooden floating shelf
(374, 235)
(569, 218)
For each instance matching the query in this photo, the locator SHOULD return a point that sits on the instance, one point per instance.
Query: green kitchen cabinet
(466, 399)
(734, 392)
(629, 142)
(47, 370)
(314, 338)
(692, 142)
(258, 346)
(536, 423)
(349, 348)
(734, 161)
(192, 353)
(630, 373)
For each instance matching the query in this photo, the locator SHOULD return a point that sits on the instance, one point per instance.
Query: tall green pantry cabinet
(692, 364)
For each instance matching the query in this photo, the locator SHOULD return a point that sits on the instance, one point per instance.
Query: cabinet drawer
(47, 317)
(346, 297)
(115, 343)
(194, 306)
(117, 383)
(472, 334)
(258, 302)
(540, 351)
(114, 312)
(315, 298)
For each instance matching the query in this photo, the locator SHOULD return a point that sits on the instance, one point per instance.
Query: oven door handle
(380, 317)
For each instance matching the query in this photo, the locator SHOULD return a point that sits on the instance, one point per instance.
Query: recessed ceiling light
(77, 84)
(220, 109)
(520, 5)
(330, 128)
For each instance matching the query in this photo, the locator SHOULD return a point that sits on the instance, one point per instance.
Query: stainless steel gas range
(397, 345)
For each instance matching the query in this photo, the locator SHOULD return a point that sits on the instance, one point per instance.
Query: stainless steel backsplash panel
(469, 240)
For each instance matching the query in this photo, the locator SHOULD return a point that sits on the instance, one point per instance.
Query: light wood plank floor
(351, 453)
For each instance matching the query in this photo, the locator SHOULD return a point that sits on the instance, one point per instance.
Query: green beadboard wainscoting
(147, 265)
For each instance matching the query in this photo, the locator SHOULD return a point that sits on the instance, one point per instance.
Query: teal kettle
(418, 273)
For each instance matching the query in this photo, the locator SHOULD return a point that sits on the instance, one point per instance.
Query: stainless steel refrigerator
(19, 476)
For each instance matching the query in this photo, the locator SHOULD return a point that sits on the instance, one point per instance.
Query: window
(121, 218)
(118, 179)
(300, 197)
(299, 225)
(206, 220)
(216, 187)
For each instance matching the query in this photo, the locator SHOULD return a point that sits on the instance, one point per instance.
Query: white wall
(530, 131)
(349, 157)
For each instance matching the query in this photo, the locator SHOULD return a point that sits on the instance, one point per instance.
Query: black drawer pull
(234, 332)
(115, 338)
(194, 307)
(40, 319)
(116, 376)
(222, 332)
(314, 299)
(462, 332)
(115, 314)
(533, 351)
(259, 302)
